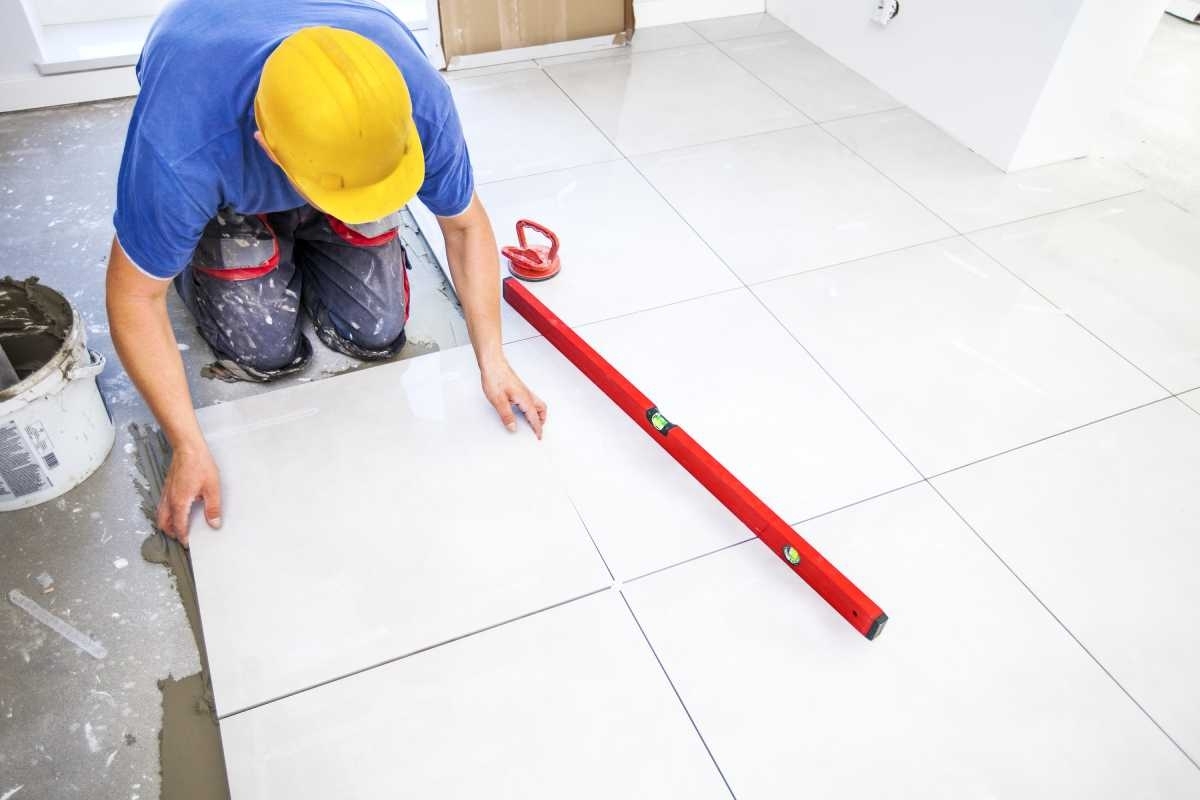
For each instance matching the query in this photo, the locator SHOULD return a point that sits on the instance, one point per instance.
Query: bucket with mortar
(55, 429)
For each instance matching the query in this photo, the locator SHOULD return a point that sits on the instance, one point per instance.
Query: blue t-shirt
(190, 149)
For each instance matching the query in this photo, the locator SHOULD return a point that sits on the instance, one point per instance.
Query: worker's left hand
(504, 390)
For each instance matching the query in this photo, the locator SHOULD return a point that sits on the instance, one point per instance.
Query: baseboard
(41, 91)
(650, 13)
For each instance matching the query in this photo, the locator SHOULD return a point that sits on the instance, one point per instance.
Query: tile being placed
(808, 77)
(788, 201)
(566, 703)
(495, 111)
(724, 28)
(729, 374)
(1101, 524)
(369, 516)
(1127, 269)
(952, 356)
(672, 98)
(965, 189)
(660, 37)
(972, 690)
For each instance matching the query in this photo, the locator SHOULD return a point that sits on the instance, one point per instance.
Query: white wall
(649, 13)
(1011, 80)
(59, 12)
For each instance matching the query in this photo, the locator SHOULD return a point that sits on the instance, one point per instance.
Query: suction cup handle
(543, 230)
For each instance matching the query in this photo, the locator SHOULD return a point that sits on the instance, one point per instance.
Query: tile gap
(1120, 196)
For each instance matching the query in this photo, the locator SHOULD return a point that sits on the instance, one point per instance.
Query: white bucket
(55, 429)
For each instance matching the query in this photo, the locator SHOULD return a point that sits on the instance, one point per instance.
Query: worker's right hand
(192, 476)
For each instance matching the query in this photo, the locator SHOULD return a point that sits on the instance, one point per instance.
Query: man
(270, 149)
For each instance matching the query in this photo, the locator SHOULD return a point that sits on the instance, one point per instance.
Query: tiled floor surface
(970, 390)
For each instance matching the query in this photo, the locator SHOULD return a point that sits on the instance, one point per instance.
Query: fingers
(503, 407)
(211, 495)
(533, 409)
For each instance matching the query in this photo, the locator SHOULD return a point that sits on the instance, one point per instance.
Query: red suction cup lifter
(533, 263)
(803, 559)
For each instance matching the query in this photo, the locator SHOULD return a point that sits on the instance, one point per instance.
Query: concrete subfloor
(72, 726)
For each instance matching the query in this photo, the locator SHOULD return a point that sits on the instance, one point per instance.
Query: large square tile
(1102, 525)
(624, 249)
(496, 110)
(789, 201)
(963, 188)
(1128, 269)
(659, 100)
(808, 77)
(372, 515)
(729, 374)
(952, 356)
(973, 690)
(566, 703)
(725, 28)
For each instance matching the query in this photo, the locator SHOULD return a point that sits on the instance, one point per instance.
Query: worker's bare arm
(475, 267)
(141, 331)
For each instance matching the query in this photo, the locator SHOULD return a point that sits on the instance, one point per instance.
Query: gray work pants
(250, 277)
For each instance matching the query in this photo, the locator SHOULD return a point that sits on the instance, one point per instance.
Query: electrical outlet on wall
(886, 11)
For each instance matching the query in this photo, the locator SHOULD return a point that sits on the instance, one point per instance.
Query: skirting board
(1185, 9)
(43, 91)
(649, 13)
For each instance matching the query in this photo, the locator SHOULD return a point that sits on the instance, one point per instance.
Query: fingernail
(215, 522)
(512, 427)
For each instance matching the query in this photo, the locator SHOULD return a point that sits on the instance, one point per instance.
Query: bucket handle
(91, 369)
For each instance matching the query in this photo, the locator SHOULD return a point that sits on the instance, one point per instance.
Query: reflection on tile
(961, 186)
(952, 356)
(717, 30)
(808, 77)
(1101, 525)
(727, 372)
(361, 521)
(973, 690)
(567, 703)
(660, 37)
(496, 110)
(1128, 269)
(788, 201)
(673, 98)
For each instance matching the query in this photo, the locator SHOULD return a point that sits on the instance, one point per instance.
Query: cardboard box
(484, 26)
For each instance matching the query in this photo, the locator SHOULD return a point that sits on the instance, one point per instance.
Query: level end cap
(877, 626)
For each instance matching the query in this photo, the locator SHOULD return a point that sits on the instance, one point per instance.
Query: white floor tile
(730, 375)
(623, 248)
(808, 77)
(659, 100)
(660, 37)
(569, 703)
(972, 690)
(496, 110)
(723, 28)
(963, 188)
(952, 356)
(1128, 269)
(371, 515)
(788, 201)
(1101, 524)
(1192, 399)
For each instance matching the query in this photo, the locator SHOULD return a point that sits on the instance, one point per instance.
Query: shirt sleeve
(449, 180)
(158, 219)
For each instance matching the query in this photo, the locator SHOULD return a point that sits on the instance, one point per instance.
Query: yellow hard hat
(336, 113)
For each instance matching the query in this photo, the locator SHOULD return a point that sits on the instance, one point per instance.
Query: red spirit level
(846, 598)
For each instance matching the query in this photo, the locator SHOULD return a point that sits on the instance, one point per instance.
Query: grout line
(1048, 437)
(1122, 195)
(588, 531)
(855, 260)
(620, 157)
(418, 651)
(678, 696)
(1063, 625)
(1065, 313)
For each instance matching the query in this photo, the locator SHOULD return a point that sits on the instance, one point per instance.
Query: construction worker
(270, 150)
